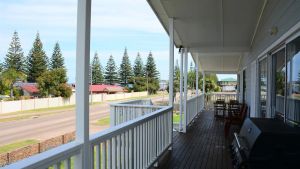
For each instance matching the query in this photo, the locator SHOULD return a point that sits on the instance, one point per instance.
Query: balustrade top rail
(135, 105)
(125, 111)
(192, 98)
(136, 102)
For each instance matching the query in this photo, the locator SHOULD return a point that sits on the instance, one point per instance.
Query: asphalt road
(49, 126)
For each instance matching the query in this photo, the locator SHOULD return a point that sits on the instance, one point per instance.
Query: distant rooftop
(229, 79)
(106, 88)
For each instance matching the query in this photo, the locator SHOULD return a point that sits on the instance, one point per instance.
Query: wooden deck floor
(202, 147)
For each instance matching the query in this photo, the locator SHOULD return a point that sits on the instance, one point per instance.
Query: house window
(293, 81)
(279, 69)
(263, 83)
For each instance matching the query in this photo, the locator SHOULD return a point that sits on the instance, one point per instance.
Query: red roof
(30, 88)
(106, 88)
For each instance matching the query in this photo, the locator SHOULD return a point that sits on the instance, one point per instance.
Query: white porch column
(185, 87)
(82, 82)
(197, 84)
(171, 60)
(181, 91)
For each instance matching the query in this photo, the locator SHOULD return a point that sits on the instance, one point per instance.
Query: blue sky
(116, 24)
(225, 76)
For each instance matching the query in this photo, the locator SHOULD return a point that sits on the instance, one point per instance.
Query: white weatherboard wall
(280, 15)
(31, 104)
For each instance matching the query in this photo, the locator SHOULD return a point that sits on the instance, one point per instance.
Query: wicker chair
(219, 106)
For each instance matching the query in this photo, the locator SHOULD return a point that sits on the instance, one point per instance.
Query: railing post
(112, 116)
(82, 74)
(203, 88)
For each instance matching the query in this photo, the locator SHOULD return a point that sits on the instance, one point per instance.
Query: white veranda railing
(136, 144)
(138, 102)
(125, 111)
(194, 106)
(226, 96)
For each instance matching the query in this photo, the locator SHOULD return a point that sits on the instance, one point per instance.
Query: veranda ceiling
(217, 32)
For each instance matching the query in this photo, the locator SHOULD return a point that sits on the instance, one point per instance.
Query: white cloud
(112, 14)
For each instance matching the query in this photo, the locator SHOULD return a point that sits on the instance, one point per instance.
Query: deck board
(203, 146)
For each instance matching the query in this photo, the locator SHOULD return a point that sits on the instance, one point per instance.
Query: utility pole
(147, 84)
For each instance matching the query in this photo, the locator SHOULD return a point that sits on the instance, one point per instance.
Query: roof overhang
(217, 32)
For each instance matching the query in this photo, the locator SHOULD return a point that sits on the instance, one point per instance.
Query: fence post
(7, 162)
(39, 147)
(21, 105)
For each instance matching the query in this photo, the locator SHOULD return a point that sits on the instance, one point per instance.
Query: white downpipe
(203, 82)
(185, 87)
(203, 87)
(181, 91)
(82, 82)
(171, 59)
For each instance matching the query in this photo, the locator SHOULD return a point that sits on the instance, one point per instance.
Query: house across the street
(228, 84)
(28, 89)
(109, 89)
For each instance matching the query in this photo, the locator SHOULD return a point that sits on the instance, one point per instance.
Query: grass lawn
(176, 118)
(104, 121)
(16, 145)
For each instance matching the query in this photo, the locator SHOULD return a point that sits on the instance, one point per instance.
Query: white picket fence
(39, 103)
